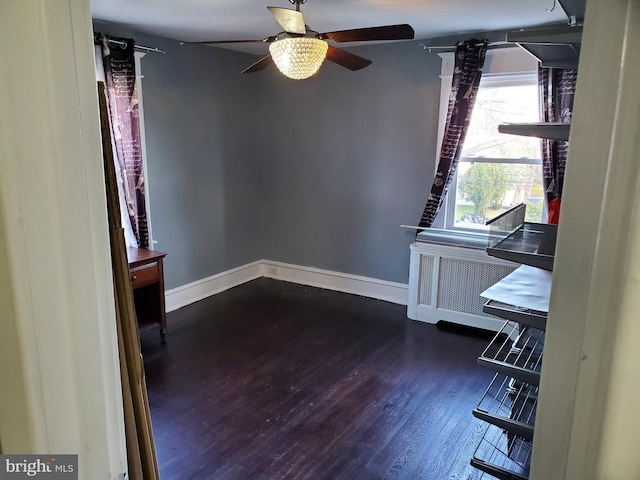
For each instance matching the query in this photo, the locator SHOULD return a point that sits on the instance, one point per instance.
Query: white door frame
(60, 380)
(587, 424)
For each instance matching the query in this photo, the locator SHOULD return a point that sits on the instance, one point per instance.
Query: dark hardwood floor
(273, 380)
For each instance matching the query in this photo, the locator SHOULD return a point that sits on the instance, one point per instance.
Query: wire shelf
(509, 404)
(526, 316)
(504, 456)
(515, 351)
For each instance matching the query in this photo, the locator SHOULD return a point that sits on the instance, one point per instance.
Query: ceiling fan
(298, 51)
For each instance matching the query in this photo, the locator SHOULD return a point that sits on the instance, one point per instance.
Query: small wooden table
(147, 281)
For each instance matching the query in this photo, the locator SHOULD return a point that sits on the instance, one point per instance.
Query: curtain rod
(453, 47)
(139, 47)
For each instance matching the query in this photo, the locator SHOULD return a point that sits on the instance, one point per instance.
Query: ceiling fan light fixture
(298, 57)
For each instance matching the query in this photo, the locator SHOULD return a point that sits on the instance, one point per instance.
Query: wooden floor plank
(272, 380)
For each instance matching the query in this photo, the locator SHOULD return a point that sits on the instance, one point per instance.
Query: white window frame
(507, 67)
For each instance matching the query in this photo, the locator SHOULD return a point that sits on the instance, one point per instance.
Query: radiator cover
(445, 283)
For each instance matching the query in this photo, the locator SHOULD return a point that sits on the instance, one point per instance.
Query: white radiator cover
(445, 283)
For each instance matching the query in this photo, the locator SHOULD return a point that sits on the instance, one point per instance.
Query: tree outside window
(498, 171)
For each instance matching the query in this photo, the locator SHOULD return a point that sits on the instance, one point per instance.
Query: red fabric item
(554, 211)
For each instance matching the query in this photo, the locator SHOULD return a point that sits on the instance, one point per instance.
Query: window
(497, 171)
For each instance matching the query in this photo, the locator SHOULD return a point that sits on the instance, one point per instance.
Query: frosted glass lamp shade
(298, 57)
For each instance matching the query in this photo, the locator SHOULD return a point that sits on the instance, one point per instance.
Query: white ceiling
(200, 20)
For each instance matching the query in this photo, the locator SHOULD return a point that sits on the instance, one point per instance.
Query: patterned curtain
(557, 88)
(120, 77)
(469, 60)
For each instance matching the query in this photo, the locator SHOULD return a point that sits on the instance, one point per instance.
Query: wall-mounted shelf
(574, 9)
(503, 456)
(522, 298)
(524, 316)
(524, 288)
(553, 131)
(532, 244)
(562, 35)
(510, 405)
(556, 47)
(520, 359)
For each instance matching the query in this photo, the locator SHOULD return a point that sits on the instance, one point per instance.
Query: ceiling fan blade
(346, 59)
(261, 64)
(291, 21)
(388, 32)
(215, 42)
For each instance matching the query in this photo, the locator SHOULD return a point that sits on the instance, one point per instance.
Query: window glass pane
(502, 104)
(485, 190)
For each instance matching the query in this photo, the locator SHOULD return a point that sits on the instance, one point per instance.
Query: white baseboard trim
(315, 277)
(341, 282)
(200, 289)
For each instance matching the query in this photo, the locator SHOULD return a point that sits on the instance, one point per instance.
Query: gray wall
(351, 159)
(202, 135)
(319, 172)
